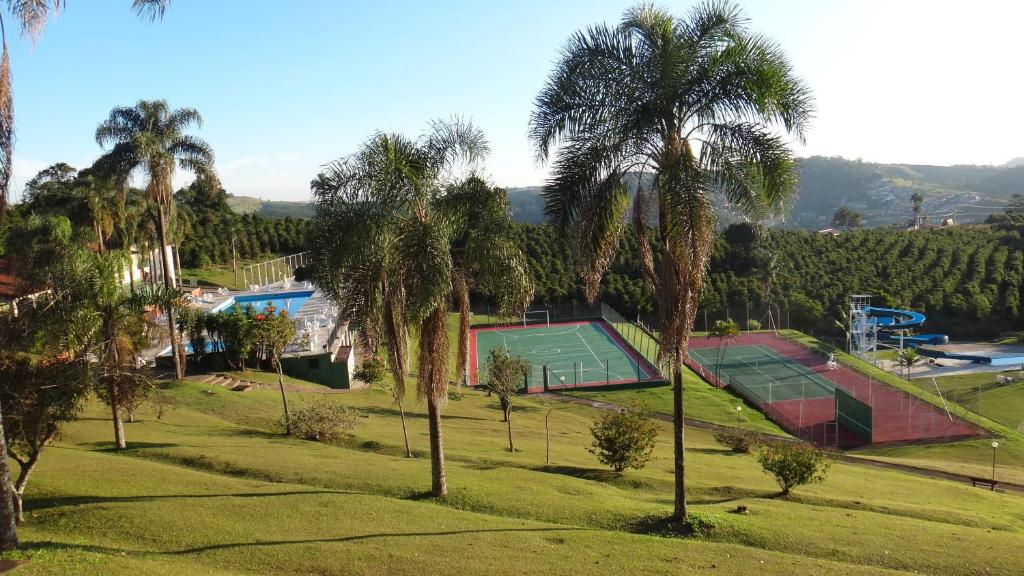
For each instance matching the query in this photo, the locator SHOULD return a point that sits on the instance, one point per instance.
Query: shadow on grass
(595, 474)
(361, 537)
(62, 501)
(722, 494)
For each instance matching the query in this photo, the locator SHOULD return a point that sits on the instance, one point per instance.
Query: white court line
(591, 351)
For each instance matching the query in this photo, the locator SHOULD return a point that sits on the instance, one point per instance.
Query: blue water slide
(891, 319)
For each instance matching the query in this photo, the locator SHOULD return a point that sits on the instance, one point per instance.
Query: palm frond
(151, 9)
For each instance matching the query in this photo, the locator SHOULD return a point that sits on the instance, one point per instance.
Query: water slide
(889, 319)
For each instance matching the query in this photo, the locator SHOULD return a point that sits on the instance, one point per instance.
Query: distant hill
(881, 192)
(271, 208)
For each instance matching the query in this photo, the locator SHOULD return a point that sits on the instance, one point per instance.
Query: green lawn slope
(215, 488)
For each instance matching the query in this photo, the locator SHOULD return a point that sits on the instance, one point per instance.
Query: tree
(40, 395)
(724, 330)
(793, 464)
(484, 254)
(92, 313)
(701, 129)
(31, 16)
(625, 438)
(373, 371)
(273, 333)
(152, 138)
(917, 204)
(847, 218)
(503, 376)
(383, 252)
(908, 357)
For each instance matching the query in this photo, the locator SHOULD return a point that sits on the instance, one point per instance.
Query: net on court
(574, 353)
(763, 375)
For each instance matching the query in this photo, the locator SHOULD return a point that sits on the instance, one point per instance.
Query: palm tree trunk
(115, 414)
(439, 486)
(8, 518)
(112, 370)
(284, 398)
(678, 435)
(405, 431)
(462, 357)
(179, 370)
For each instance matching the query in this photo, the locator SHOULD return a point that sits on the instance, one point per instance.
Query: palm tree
(724, 330)
(151, 137)
(93, 313)
(696, 106)
(908, 357)
(384, 236)
(31, 16)
(484, 255)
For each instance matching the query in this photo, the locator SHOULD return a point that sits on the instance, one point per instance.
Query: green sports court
(563, 355)
(764, 375)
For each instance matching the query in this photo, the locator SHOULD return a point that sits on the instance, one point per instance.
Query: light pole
(739, 417)
(994, 446)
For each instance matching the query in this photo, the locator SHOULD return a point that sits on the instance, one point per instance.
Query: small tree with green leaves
(39, 397)
(793, 464)
(271, 334)
(503, 376)
(374, 371)
(624, 439)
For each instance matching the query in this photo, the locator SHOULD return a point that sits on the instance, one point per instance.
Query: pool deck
(318, 316)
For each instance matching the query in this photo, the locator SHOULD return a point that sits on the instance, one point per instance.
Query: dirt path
(845, 458)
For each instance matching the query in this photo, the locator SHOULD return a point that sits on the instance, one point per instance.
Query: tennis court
(583, 353)
(763, 375)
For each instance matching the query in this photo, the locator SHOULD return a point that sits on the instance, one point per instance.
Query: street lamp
(994, 446)
(739, 418)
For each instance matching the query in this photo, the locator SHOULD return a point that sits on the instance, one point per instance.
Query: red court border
(630, 352)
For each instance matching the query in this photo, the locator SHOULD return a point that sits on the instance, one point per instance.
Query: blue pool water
(290, 301)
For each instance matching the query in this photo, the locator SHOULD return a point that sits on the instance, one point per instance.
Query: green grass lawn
(215, 488)
(218, 276)
(980, 392)
(214, 276)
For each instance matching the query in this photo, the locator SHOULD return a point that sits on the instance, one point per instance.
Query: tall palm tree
(31, 16)
(698, 103)
(484, 254)
(384, 249)
(152, 138)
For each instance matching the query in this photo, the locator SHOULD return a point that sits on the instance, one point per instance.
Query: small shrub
(753, 325)
(322, 421)
(738, 440)
(624, 439)
(793, 464)
(702, 525)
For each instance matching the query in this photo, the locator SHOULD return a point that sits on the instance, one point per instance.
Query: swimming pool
(292, 302)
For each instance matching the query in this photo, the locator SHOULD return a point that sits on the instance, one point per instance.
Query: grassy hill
(216, 489)
(271, 208)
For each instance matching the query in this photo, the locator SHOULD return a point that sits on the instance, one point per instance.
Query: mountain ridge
(880, 192)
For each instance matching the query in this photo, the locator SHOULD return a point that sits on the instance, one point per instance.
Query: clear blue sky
(286, 86)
